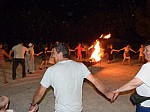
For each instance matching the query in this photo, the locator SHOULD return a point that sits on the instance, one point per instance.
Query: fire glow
(106, 36)
(96, 55)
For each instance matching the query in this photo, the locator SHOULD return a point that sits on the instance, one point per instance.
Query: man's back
(19, 51)
(66, 77)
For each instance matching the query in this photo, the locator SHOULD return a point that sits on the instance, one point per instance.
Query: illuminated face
(147, 53)
(46, 48)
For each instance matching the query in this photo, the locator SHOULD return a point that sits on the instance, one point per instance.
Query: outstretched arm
(98, 84)
(5, 53)
(132, 50)
(135, 82)
(38, 96)
(120, 49)
(39, 53)
(11, 51)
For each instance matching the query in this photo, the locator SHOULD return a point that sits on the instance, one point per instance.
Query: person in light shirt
(141, 82)
(29, 59)
(19, 58)
(67, 77)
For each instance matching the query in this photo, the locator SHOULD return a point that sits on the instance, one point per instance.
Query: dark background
(73, 21)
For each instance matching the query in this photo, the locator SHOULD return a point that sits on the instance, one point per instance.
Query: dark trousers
(16, 62)
(140, 108)
(83, 54)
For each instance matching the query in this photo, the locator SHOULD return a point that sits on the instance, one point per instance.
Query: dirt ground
(114, 75)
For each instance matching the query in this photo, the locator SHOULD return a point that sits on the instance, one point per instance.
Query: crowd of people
(71, 74)
(25, 56)
(126, 54)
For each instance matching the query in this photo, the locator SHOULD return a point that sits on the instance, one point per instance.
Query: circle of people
(71, 76)
(25, 56)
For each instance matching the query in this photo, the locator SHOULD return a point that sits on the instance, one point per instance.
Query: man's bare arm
(135, 82)
(38, 95)
(99, 85)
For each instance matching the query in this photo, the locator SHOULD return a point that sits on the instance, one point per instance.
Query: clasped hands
(112, 95)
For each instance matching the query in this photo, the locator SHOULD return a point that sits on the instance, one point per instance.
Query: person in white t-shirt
(19, 52)
(67, 77)
(141, 82)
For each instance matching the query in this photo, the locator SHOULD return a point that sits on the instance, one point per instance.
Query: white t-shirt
(144, 89)
(19, 51)
(66, 77)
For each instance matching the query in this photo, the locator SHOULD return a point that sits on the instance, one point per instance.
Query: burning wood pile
(95, 57)
(97, 53)
(89, 63)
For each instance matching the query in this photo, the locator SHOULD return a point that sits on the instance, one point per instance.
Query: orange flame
(101, 36)
(107, 36)
(96, 55)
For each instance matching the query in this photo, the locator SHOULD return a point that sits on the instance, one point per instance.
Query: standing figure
(83, 51)
(110, 51)
(45, 57)
(27, 60)
(2, 62)
(19, 52)
(126, 54)
(67, 77)
(51, 58)
(141, 82)
(141, 54)
(79, 51)
(31, 59)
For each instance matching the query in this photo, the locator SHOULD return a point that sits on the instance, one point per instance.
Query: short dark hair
(62, 47)
(147, 43)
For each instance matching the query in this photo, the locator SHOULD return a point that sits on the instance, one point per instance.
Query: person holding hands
(141, 82)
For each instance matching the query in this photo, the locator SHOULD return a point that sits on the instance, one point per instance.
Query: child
(4, 102)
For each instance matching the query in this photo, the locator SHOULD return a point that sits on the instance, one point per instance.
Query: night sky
(74, 21)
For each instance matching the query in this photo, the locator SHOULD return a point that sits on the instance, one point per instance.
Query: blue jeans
(140, 108)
